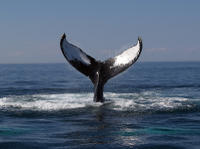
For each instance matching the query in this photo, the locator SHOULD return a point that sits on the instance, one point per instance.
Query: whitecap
(136, 102)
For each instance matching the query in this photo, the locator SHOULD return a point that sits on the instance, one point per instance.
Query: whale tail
(99, 72)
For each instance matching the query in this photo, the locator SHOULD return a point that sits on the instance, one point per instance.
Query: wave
(147, 101)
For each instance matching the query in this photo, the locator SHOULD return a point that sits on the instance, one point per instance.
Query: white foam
(146, 101)
(119, 101)
(48, 102)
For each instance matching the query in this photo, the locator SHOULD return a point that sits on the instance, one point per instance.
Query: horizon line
(65, 62)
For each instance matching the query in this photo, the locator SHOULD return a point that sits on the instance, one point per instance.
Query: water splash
(136, 102)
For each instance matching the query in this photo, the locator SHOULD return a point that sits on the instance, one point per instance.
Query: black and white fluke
(99, 72)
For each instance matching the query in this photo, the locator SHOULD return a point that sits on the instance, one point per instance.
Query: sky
(30, 30)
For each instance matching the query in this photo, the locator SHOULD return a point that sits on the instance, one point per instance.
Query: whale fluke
(99, 72)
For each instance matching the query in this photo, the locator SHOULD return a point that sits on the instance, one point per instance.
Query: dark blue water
(151, 106)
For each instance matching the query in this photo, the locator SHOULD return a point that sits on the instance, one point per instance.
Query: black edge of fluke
(98, 72)
(63, 36)
(61, 41)
(141, 43)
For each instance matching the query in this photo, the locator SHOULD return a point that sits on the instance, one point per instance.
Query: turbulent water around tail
(152, 105)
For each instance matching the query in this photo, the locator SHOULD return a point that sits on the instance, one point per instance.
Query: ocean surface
(153, 105)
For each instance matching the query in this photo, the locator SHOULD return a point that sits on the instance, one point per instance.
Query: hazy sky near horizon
(30, 31)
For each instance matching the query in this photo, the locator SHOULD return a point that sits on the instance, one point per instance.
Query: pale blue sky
(30, 31)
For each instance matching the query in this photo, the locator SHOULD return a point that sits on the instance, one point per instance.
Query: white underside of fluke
(127, 56)
(74, 53)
